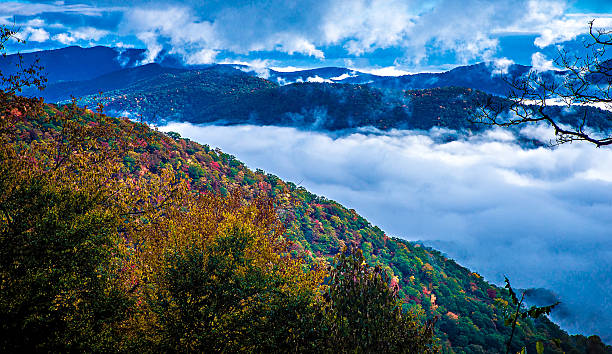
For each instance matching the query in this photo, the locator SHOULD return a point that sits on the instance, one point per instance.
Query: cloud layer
(467, 29)
(541, 216)
(387, 32)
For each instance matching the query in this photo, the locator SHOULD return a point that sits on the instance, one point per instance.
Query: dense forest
(116, 237)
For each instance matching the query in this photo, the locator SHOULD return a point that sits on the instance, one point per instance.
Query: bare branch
(585, 82)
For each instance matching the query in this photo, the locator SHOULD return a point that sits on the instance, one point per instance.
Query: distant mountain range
(321, 99)
(81, 64)
(483, 76)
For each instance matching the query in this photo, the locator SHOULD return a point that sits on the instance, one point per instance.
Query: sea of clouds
(541, 216)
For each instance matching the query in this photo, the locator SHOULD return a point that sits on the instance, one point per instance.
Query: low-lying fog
(543, 216)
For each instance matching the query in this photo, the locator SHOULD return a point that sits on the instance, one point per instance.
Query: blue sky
(411, 35)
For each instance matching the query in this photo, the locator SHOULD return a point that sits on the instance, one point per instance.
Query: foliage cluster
(585, 83)
(365, 312)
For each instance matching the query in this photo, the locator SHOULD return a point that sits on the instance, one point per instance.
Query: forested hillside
(224, 95)
(165, 206)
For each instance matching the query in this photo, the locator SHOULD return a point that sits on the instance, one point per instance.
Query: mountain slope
(223, 95)
(62, 91)
(470, 320)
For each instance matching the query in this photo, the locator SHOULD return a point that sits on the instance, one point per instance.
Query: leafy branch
(521, 313)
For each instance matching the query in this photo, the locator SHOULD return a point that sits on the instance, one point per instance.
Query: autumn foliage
(96, 255)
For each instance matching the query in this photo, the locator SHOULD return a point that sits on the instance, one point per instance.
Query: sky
(409, 35)
(541, 216)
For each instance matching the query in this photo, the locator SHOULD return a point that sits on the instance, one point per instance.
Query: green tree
(58, 291)
(365, 314)
(22, 76)
(218, 277)
(59, 246)
(517, 312)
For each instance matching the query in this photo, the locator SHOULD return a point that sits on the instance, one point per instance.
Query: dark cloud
(540, 216)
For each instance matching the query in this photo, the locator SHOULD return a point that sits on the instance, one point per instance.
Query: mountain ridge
(100, 60)
(329, 98)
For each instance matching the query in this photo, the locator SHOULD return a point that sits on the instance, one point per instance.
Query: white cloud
(35, 22)
(369, 24)
(463, 28)
(303, 46)
(541, 11)
(260, 67)
(386, 71)
(316, 78)
(343, 76)
(468, 29)
(175, 26)
(202, 56)
(120, 44)
(552, 23)
(89, 34)
(153, 47)
(539, 62)
(34, 34)
(198, 31)
(560, 31)
(30, 9)
(416, 30)
(64, 38)
(287, 69)
(197, 40)
(501, 66)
